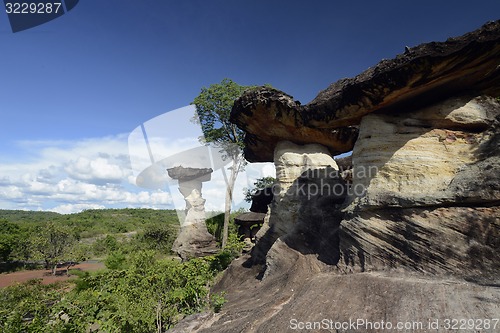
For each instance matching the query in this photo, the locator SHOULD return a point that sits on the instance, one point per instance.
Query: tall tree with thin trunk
(213, 108)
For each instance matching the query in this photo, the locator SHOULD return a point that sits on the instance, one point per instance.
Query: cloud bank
(70, 176)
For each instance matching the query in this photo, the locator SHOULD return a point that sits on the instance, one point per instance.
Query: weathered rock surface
(427, 72)
(269, 116)
(433, 156)
(462, 241)
(194, 241)
(291, 161)
(304, 291)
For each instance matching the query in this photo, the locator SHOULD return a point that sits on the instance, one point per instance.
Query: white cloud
(72, 175)
(69, 176)
(97, 171)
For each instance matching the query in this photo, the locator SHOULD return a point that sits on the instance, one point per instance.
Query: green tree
(213, 109)
(53, 244)
(159, 236)
(76, 253)
(9, 238)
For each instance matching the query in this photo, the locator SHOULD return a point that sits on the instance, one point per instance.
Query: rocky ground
(303, 293)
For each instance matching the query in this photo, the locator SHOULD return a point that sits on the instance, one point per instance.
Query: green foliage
(217, 301)
(10, 235)
(105, 245)
(213, 108)
(259, 184)
(214, 226)
(158, 236)
(140, 291)
(25, 237)
(95, 222)
(52, 243)
(148, 294)
(234, 245)
(28, 307)
(115, 260)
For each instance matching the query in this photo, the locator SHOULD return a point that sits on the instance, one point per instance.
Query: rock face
(413, 235)
(193, 240)
(438, 170)
(414, 158)
(461, 241)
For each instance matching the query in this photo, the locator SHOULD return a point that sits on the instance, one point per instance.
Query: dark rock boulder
(261, 200)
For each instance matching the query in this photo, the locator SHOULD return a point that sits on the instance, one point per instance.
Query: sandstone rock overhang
(421, 75)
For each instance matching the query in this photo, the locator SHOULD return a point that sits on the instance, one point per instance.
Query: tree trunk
(71, 264)
(235, 168)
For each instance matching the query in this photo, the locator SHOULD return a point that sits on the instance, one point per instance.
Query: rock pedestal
(193, 240)
(307, 195)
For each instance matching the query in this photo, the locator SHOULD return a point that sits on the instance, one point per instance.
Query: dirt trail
(10, 279)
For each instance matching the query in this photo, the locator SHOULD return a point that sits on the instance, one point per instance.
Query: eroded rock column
(306, 199)
(194, 240)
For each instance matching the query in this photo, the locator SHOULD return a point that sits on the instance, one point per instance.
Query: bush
(158, 236)
(115, 260)
(105, 245)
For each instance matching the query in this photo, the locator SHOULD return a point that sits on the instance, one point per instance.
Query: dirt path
(46, 276)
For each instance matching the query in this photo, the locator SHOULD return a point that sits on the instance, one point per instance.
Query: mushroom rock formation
(424, 132)
(249, 224)
(422, 74)
(193, 240)
(416, 235)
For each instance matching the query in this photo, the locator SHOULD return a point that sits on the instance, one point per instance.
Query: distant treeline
(93, 222)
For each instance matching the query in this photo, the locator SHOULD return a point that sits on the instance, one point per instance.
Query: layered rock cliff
(412, 232)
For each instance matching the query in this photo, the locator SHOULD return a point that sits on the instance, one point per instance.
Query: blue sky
(73, 89)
